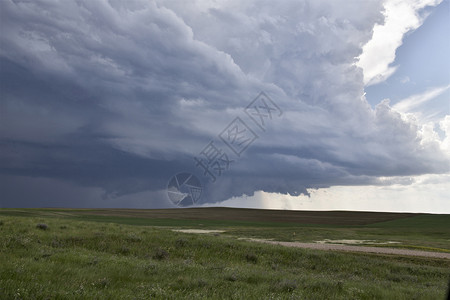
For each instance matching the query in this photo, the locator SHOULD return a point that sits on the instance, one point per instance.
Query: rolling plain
(142, 254)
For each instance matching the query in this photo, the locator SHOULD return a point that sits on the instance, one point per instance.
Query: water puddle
(198, 231)
(355, 242)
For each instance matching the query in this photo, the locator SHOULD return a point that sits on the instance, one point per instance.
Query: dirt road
(339, 247)
(332, 247)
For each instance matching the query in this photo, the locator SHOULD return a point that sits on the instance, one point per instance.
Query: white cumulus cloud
(400, 17)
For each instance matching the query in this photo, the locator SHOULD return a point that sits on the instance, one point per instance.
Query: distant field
(228, 214)
(134, 254)
(412, 231)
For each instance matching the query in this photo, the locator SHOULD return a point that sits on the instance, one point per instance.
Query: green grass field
(134, 254)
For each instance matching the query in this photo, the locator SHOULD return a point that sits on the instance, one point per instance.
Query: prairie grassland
(410, 231)
(77, 258)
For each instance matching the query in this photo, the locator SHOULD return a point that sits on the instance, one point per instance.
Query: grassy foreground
(78, 259)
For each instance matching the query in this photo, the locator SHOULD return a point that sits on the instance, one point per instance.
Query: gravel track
(333, 247)
(339, 247)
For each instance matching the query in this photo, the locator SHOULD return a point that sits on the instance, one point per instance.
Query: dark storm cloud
(106, 100)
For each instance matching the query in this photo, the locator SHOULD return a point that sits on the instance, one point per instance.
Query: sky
(317, 105)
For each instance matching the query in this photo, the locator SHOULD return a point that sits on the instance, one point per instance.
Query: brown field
(239, 214)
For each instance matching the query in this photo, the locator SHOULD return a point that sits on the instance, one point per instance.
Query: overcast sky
(102, 102)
